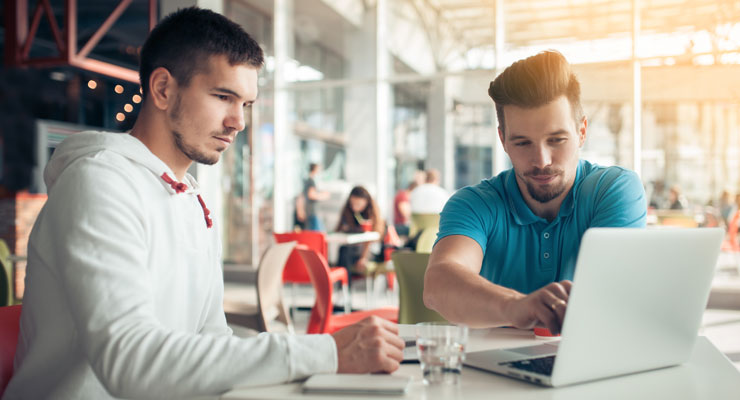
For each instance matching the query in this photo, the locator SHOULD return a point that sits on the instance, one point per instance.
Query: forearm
(150, 362)
(365, 251)
(462, 296)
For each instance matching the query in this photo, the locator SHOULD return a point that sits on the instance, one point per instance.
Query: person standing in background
(312, 196)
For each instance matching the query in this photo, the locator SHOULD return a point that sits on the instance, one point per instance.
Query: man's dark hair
(312, 167)
(184, 41)
(534, 82)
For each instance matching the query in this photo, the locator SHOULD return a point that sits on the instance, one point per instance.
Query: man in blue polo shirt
(507, 247)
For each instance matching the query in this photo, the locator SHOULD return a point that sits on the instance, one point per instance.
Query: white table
(708, 375)
(336, 239)
(340, 238)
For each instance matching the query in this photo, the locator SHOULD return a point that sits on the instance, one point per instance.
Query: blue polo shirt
(524, 252)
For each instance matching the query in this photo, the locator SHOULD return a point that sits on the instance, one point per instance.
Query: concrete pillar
(361, 102)
(440, 137)
(500, 158)
(284, 49)
(383, 103)
(636, 92)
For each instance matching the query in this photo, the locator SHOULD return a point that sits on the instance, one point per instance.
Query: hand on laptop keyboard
(544, 307)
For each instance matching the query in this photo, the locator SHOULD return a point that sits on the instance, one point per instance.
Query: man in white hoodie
(124, 286)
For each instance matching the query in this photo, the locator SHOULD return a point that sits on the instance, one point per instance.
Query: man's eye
(222, 97)
(521, 144)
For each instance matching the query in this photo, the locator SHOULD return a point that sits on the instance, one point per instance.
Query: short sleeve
(467, 214)
(620, 201)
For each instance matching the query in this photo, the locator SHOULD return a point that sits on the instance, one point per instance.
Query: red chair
(731, 244)
(322, 319)
(10, 318)
(295, 269)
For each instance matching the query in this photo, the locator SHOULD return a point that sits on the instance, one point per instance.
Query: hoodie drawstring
(206, 211)
(180, 187)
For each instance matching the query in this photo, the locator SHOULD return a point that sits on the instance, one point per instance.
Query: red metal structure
(20, 37)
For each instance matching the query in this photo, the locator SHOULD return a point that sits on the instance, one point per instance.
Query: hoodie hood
(87, 144)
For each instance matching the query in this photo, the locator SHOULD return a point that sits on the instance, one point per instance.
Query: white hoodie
(124, 288)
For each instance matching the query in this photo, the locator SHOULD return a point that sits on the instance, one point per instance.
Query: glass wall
(676, 59)
(249, 162)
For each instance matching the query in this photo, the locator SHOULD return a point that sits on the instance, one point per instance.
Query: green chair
(6, 276)
(426, 239)
(420, 222)
(410, 268)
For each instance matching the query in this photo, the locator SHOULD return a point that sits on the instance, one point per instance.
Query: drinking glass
(441, 349)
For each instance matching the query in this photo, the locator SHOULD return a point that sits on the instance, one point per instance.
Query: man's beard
(544, 195)
(193, 153)
(189, 151)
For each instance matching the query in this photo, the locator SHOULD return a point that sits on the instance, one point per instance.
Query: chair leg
(284, 317)
(347, 298)
(369, 283)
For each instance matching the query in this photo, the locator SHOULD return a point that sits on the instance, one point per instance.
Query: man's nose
(235, 119)
(542, 157)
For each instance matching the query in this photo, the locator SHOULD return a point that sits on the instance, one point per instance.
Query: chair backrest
(426, 239)
(410, 267)
(318, 270)
(9, 327)
(6, 275)
(422, 221)
(295, 270)
(270, 282)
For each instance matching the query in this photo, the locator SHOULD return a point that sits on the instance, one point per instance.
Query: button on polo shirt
(525, 252)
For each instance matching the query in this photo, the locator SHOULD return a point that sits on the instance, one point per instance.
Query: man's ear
(582, 127)
(162, 86)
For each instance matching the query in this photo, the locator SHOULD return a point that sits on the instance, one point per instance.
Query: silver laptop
(636, 304)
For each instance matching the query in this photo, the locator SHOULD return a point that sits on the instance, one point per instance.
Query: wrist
(507, 307)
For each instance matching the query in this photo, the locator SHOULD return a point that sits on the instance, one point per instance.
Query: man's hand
(544, 307)
(371, 345)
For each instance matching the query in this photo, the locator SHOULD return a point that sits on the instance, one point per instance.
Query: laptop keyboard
(541, 365)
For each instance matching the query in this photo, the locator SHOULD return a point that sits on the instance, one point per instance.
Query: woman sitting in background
(359, 214)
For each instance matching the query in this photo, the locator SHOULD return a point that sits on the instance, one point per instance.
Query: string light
(118, 89)
(120, 117)
(128, 107)
(92, 84)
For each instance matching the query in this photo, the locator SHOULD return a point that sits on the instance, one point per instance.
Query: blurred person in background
(312, 196)
(429, 197)
(676, 200)
(359, 214)
(726, 206)
(402, 204)
(657, 196)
